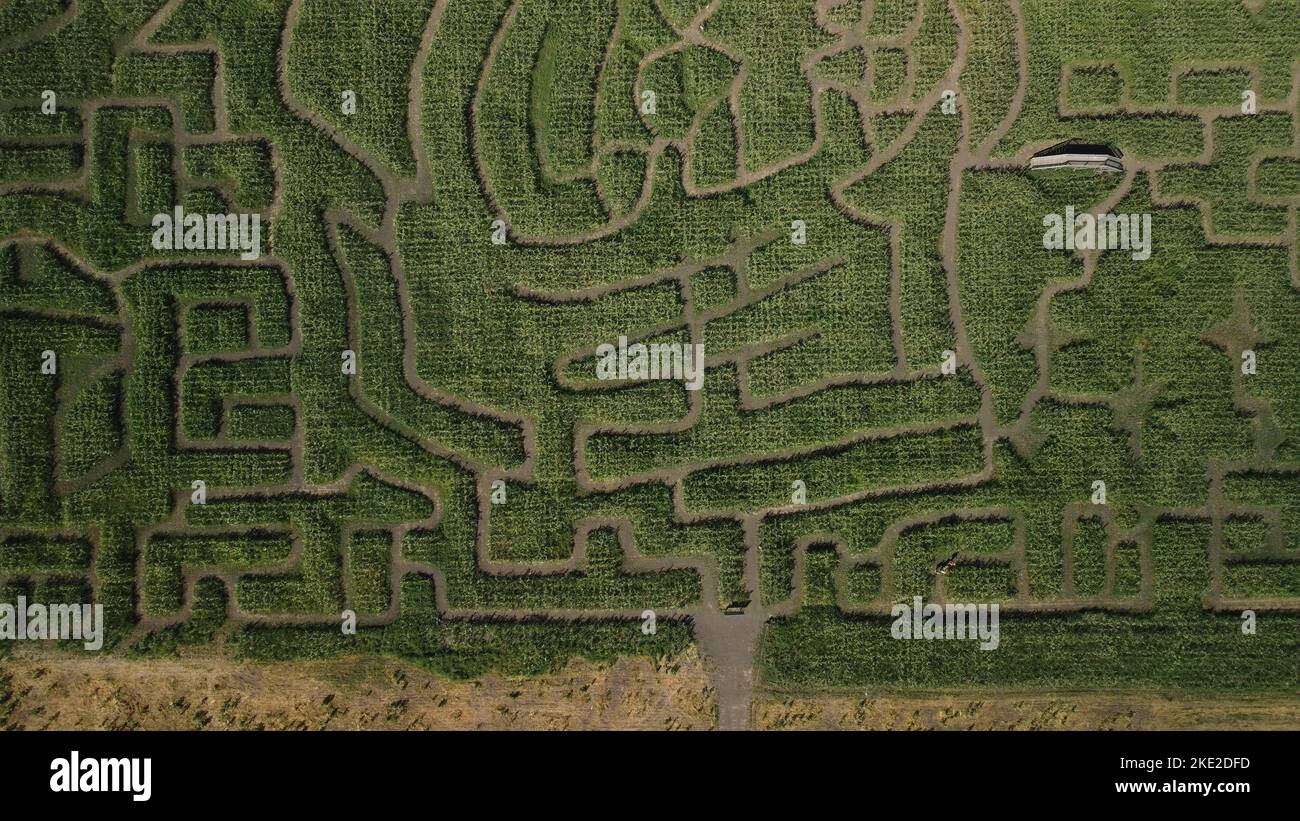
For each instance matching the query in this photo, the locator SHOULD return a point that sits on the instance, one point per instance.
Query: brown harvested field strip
(379, 693)
(363, 693)
(1036, 710)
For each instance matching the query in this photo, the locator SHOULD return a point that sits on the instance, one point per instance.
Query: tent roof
(1076, 147)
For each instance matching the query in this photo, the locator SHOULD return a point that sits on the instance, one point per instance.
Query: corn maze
(399, 408)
